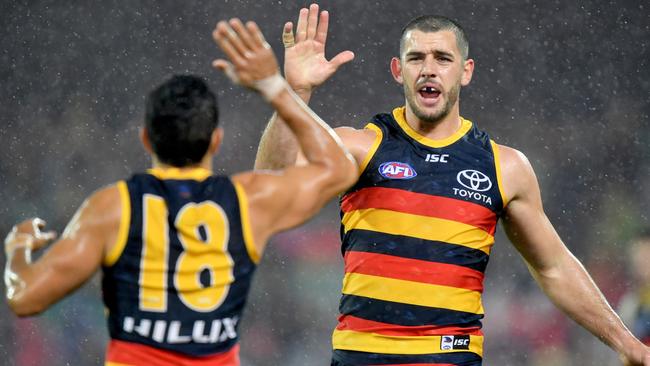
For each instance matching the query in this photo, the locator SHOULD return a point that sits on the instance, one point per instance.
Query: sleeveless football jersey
(178, 277)
(417, 229)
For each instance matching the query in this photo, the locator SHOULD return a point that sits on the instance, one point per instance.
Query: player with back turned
(178, 245)
(418, 226)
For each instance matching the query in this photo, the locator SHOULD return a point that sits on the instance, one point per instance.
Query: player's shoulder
(518, 176)
(359, 142)
(105, 205)
(512, 159)
(361, 134)
(109, 194)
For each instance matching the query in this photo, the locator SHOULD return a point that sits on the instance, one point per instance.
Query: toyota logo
(474, 180)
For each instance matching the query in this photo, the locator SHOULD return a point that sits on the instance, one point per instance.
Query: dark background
(565, 82)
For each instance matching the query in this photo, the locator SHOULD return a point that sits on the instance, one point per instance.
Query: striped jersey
(178, 277)
(417, 229)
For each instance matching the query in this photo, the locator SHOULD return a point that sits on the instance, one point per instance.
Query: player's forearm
(16, 282)
(278, 147)
(318, 141)
(571, 288)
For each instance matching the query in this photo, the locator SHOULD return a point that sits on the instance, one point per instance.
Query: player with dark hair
(178, 245)
(418, 226)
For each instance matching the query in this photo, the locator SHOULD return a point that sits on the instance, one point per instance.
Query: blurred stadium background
(566, 82)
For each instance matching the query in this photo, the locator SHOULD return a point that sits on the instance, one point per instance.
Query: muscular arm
(278, 147)
(32, 287)
(279, 200)
(560, 275)
(282, 199)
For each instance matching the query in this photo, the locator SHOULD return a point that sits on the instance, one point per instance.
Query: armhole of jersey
(245, 223)
(125, 222)
(497, 168)
(373, 148)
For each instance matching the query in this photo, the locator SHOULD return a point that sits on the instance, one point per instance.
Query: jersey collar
(399, 114)
(198, 174)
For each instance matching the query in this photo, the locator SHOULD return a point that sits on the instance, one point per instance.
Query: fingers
(237, 40)
(28, 234)
(323, 25)
(222, 35)
(312, 21)
(257, 36)
(244, 38)
(227, 68)
(310, 26)
(342, 58)
(301, 28)
(250, 56)
(40, 236)
(287, 35)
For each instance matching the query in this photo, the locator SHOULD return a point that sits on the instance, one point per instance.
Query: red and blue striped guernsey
(417, 230)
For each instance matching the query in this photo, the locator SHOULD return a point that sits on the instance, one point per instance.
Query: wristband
(271, 86)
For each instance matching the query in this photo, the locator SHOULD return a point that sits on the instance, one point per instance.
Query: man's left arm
(558, 272)
(31, 287)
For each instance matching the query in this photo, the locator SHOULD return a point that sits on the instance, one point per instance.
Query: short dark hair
(181, 115)
(436, 23)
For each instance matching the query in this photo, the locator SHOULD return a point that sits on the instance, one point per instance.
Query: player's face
(432, 71)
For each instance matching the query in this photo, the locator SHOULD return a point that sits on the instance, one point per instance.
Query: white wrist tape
(270, 87)
(16, 241)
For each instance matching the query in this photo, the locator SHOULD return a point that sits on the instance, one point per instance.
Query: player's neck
(204, 164)
(438, 130)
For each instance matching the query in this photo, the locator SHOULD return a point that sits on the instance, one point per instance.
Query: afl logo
(474, 180)
(397, 170)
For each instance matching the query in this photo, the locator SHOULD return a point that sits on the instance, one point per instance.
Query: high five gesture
(305, 64)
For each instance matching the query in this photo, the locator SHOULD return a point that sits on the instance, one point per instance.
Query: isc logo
(454, 342)
(397, 170)
(437, 158)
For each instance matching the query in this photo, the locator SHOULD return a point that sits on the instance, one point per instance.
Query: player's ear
(396, 69)
(144, 138)
(215, 140)
(468, 70)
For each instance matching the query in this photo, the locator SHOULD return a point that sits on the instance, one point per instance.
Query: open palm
(305, 65)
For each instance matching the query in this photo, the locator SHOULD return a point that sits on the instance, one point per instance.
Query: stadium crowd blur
(567, 83)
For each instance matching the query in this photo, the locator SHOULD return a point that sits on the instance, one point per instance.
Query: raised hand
(28, 235)
(305, 65)
(251, 58)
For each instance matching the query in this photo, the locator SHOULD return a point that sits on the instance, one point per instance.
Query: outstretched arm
(560, 275)
(31, 287)
(283, 199)
(305, 68)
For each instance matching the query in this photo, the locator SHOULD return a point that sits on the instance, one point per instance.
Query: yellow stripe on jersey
(125, 222)
(197, 174)
(413, 293)
(409, 345)
(416, 226)
(155, 254)
(400, 117)
(249, 241)
(497, 169)
(373, 148)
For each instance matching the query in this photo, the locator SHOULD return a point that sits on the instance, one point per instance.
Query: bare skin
(433, 59)
(277, 199)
